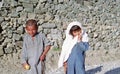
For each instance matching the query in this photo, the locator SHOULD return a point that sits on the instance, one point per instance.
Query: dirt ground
(101, 56)
(97, 62)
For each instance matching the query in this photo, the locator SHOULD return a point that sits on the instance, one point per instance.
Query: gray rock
(6, 3)
(34, 1)
(49, 16)
(46, 31)
(1, 19)
(19, 8)
(40, 11)
(1, 4)
(117, 1)
(42, 1)
(55, 1)
(20, 30)
(1, 51)
(8, 50)
(40, 29)
(25, 1)
(60, 1)
(31, 15)
(10, 35)
(4, 26)
(28, 7)
(13, 3)
(19, 44)
(97, 45)
(14, 15)
(41, 21)
(50, 1)
(16, 37)
(23, 17)
(57, 18)
(95, 35)
(49, 26)
(3, 12)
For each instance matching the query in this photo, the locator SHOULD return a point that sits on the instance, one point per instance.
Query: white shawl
(69, 42)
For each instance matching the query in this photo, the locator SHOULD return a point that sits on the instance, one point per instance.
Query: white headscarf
(69, 42)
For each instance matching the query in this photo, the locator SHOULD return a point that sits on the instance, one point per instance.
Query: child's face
(31, 30)
(76, 33)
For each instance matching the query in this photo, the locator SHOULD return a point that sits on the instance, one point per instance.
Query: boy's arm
(47, 48)
(47, 45)
(23, 56)
(23, 53)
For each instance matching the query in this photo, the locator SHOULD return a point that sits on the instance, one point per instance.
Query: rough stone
(31, 15)
(16, 37)
(18, 9)
(49, 25)
(14, 15)
(8, 50)
(1, 4)
(61, 1)
(1, 19)
(13, 3)
(1, 51)
(3, 12)
(20, 30)
(25, 1)
(42, 1)
(28, 7)
(49, 16)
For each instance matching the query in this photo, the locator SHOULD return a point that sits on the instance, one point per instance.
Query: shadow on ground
(94, 70)
(114, 71)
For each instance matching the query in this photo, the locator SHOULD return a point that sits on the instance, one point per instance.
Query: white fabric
(69, 42)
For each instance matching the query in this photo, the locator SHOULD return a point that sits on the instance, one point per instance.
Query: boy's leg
(39, 67)
(43, 67)
(32, 70)
(33, 66)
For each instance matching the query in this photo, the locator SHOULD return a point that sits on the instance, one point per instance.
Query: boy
(35, 48)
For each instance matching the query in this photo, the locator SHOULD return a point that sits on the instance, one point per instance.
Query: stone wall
(50, 14)
(100, 18)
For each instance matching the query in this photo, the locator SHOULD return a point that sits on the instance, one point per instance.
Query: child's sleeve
(46, 41)
(24, 52)
(83, 45)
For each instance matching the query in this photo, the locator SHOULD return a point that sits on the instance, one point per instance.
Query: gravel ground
(10, 64)
(112, 67)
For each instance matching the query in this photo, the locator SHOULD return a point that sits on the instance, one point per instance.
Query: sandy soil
(96, 63)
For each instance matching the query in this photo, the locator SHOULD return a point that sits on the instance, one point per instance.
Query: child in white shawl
(72, 55)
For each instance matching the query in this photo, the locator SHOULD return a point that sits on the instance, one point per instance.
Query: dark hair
(31, 22)
(74, 28)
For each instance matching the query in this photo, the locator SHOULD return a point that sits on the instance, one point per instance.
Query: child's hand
(65, 66)
(42, 57)
(79, 37)
(26, 66)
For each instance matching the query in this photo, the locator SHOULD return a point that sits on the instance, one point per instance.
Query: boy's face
(76, 33)
(31, 30)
